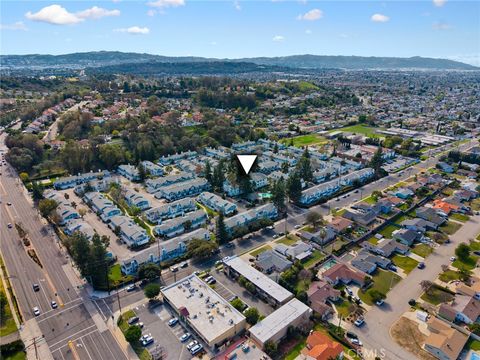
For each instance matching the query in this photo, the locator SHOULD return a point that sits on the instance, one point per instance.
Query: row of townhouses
(267, 211)
(216, 203)
(72, 181)
(171, 210)
(179, 225)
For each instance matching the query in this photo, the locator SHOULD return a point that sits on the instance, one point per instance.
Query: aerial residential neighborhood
(240, 201)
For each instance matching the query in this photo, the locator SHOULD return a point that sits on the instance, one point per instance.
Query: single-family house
(320, 295)
(418, 225)
(386, 247)
(405, 236)
(320, 347)
(299, 251)
(271, 261)
(444, 342)
(445, 167)
(431, 215)
(367, 262)
(340, 224)
(463, 308)
(323, 236)
(342, 273)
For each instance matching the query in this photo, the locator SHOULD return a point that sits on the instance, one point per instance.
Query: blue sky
(432, 28)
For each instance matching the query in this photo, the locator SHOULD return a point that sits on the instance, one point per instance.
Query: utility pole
(118, 299)
(35, 347)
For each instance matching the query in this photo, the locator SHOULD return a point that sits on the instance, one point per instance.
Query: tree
(151, 290)
(98, 263)
(133, 334)
(270, 348)
(377, 161)
(237, 304)
(46, 207)
(252, 315)
(294, 187)
(426, 285)
(278, 194)
(208, 172)
(314, 218)
(149, 271)
(3, 305)
(304, 166)
(201, 249)
(81, 252)
(463, 252)
(376, 195)
(37, 190)
(376, 295)
(24, 177)
(222, 233)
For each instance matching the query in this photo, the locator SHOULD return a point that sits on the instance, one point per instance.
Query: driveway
(376, 333)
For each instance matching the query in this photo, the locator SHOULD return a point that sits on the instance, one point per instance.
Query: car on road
(380, 302)
(9, 225)
(172, 322)
(9, 203)
(147, 340)
(359, 322)
(141, 325)
(196, 349)
(356, 191)
(412, 302)
(337, 199)
(53, 304)
(36, 287)
(131, 288)
(184, 264)
(421, 265)
(36, 311)
(275, 236)
(297, 226)
(185, 337)
(192, 344)
(133, 320)
(453, 258)
(173, 268)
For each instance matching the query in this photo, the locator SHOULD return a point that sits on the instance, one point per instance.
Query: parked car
(412, 302)
(359, 322)
(147, 340)
(192, 344)
(174, 268)
(196, 349)
(133, 320)
(184, 264)
(36, 311)
(53, 304)
(36, 287)
(421, 265)
(453, 258)
(172, 322)
(297, 226)
(131, 288)
(349, 291)
(185, 337)
(380, 302)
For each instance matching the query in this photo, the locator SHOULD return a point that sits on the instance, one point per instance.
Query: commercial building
(274, 327)
(267, 289)
(204, 311)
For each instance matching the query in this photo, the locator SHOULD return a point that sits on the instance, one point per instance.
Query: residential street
(375, 334)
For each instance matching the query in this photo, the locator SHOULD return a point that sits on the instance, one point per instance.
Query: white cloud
(151, 12)
(166, 3)
(58, 15)
(97, 13)
(311, 15)
(134, 30)
(54, 14)
(380, 18)
(236, 5)
(278, 38)
(308, 32)
(439, 3)
(441, 26)
(19, 25)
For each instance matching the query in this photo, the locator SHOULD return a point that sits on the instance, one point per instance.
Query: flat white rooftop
(208, 313)
(260, 280)
(279, 320)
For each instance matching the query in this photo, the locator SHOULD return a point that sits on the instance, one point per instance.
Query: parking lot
(167, 337)
(397, 164)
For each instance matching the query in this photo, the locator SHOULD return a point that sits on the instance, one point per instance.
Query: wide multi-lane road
(73, 324)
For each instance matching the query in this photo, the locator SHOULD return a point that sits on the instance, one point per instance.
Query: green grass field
(468, 264)
(260, 250)
(422, 250)
(388, 230)
(460, 217)
(290, 240)
(449, 275)
(317, 255)
(360, 129)
(306, 140)
(7, 323)
(383, 281)
(20, 355)
(450, 227)
(405, 263)
(437, 295)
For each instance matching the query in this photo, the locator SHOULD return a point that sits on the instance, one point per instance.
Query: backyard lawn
(369, 200)
(450, 227)
(436, 295)
(260, 250)
(383, 281)
(405, 263)
(475, 245)
(449, 275)
(343, 308)
(317, 255)
(388, 230)
(115, 276)
(290, 240)
(422, 250)
(460, 217)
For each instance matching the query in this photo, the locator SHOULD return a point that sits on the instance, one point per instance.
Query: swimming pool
(475, 356)
(328, 264)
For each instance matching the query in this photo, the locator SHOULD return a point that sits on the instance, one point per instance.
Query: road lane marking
(60, 312)
(73, 350)
(71, 336)
(86, 349)
(96, 347)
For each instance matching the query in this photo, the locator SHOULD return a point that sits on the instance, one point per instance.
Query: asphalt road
(71, 320)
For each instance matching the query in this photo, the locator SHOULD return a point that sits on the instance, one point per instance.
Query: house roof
(340, 223)
(343, 272)
(445, 338)
(321, 347)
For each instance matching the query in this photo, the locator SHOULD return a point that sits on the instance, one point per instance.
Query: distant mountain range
(115, 58)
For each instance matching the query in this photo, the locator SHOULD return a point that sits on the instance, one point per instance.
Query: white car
(453, 258)
(192, 344)
(54, 305)
(356, 342)
(185, 337)
(147, 340)
(297, 226)
(196, 349)
(359, 322)
(36, 311)
(172, 322)
(380, 302)
(174, 269)
(349, 291)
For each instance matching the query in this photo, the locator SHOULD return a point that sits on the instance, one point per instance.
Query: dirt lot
(405, 332)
